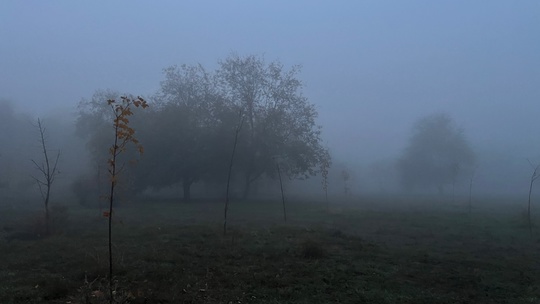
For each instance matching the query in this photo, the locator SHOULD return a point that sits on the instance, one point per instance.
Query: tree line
(189, 129)
(197, 116)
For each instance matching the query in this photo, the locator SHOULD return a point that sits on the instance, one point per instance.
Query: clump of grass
(311, 249)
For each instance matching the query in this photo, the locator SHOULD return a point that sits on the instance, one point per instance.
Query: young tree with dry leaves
(123, 136)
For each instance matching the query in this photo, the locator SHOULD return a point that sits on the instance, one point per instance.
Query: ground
(359, 250)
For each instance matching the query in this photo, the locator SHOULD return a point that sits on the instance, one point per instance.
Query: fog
(371, 68)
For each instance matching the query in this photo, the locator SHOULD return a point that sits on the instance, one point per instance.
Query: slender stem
(98, 185)
(229, 174)
(534, 177)
(282, 195)
(529, 205)
(111, 200)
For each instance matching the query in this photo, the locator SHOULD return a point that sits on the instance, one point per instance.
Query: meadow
(359, 250)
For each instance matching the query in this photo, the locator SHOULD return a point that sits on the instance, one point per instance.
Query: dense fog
(375, 74)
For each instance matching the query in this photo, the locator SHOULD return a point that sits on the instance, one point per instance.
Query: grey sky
(371, 67)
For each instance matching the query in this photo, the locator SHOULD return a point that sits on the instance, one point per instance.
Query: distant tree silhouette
(438, 154)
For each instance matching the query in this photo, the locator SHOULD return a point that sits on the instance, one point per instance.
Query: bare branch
(40, 168)
(40, 183)
(55, 167)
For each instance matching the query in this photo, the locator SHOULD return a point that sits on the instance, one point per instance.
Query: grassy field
(369, 250)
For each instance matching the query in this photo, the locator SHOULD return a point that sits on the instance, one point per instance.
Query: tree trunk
(282, 194)
(238, 128)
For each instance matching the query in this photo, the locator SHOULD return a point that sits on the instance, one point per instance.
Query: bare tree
(534, 177)
(48, 171)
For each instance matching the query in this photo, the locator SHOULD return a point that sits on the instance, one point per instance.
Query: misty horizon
(371, 69)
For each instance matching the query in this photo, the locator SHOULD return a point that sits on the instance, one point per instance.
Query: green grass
(371, 251)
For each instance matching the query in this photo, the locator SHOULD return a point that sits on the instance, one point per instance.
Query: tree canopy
(438, 154)
(189, 131)
(279, 119)
(186, 133)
